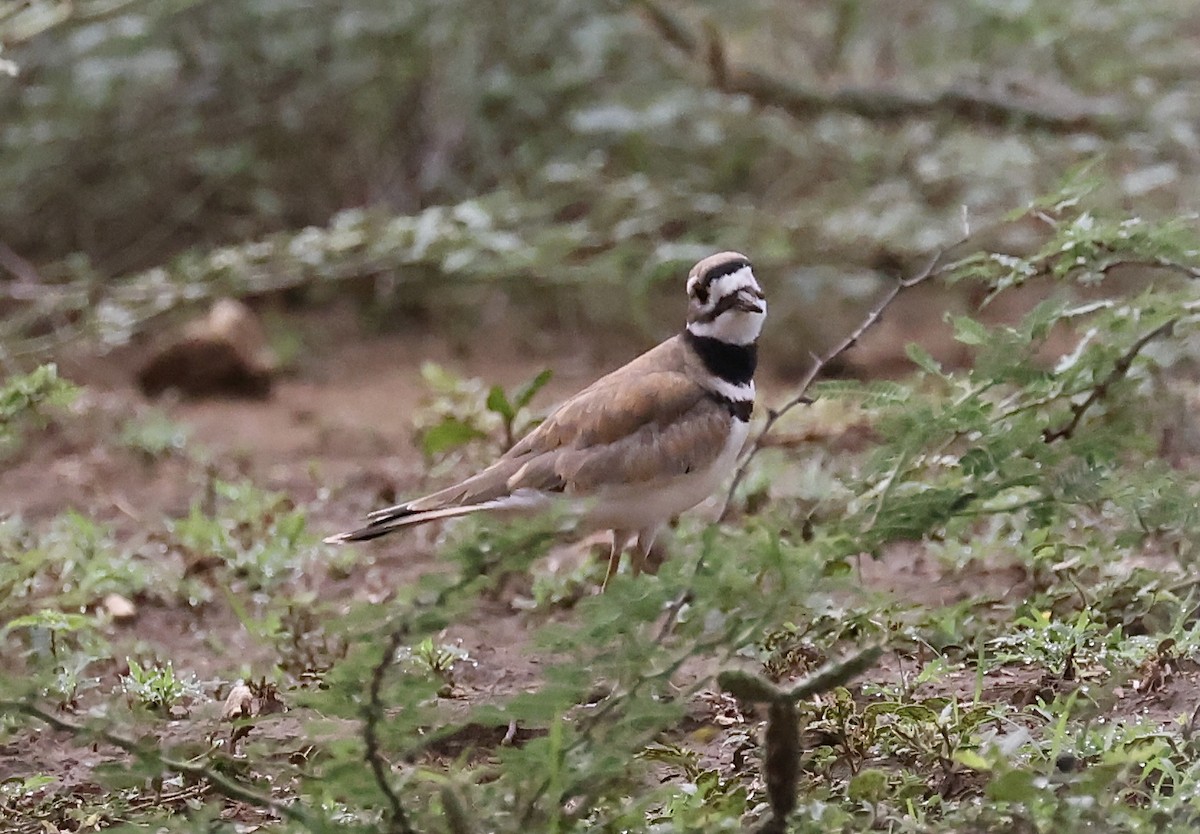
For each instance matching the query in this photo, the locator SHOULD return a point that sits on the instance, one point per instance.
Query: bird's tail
(382, 522)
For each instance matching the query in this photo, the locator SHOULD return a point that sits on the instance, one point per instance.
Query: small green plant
(510, 408)
(25, 786)
(435, 659)
(1071, 648)
(154, 436)
(157, 687)
(25, 400)
(305, 645)
(702, 798)
(464, 410)
(73, 562)
(52, 624)
(564, 586)
(260, 535)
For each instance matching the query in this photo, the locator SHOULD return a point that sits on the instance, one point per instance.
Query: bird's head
(724, 300)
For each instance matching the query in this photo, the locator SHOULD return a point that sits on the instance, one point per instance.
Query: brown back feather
(627, 427)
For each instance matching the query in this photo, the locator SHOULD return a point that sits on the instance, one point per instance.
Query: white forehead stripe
(731, 283)
(742, 277)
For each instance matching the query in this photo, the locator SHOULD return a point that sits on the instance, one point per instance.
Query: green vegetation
(989, 712)
(154, 435)
(259, 535)
(463, 410)
(24, 399)
(157, 687)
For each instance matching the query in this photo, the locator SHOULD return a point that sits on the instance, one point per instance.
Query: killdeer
(638, 446)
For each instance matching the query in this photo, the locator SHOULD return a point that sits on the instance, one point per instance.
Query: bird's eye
(702, 293)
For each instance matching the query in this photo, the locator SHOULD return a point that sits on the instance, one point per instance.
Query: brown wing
(652, 388)
(655, 426)
(647, 420)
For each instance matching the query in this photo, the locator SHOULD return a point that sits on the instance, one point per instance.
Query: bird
(638, 446)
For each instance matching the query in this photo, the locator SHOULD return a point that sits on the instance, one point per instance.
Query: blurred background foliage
(249, 145)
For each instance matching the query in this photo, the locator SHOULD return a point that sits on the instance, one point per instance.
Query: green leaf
(497, 403)
(50, 620)
(526, 392)
(875, 394)
(869, 785)
(1014, 786)
(922, 359)
(438, 378)
(969, 332)
(448, 434)
(971, 759)
(919, 713)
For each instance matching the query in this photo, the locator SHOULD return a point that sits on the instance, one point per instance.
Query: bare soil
(335, 435)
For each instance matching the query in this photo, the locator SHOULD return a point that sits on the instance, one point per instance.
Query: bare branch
(970, 103)
(718, 63)
(671, 27)
(973, 103)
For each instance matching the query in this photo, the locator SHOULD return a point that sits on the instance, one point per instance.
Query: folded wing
(644, 426)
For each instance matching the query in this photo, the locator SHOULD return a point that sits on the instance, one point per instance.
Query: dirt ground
(336, 436)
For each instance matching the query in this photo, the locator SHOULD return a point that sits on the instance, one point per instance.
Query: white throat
(734, 327)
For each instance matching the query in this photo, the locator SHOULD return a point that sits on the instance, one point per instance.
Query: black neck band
(741, 409)
(733, 363)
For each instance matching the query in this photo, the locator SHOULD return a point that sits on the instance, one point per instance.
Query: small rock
(249, 700)
(119, 608)
(226, 352)
(241, 703)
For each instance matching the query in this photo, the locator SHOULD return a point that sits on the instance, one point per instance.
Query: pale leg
(620, 540)
(645, 543)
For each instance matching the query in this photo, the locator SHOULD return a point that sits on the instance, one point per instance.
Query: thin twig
(671, 27)
(1186, 270)
(372, 713)
(591, 722)
(1120, 371)
(886, 489)
(1044, 266)
(220, 783)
